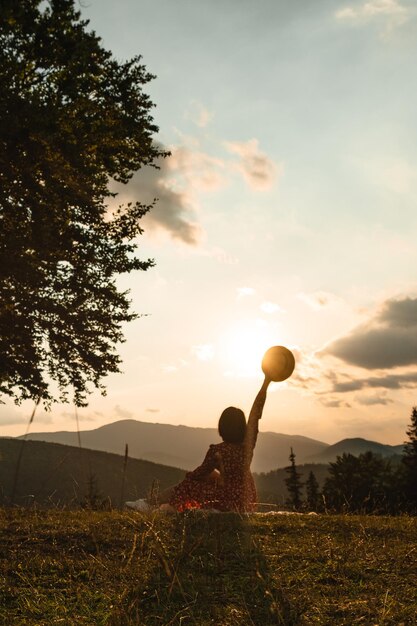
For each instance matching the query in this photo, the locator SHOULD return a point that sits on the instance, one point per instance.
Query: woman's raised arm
(254, 417)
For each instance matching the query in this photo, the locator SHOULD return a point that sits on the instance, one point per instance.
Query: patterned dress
(235, 489)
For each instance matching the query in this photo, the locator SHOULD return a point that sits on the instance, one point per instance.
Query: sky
(286, 216)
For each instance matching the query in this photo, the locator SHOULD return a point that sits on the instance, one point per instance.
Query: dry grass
(83, 567)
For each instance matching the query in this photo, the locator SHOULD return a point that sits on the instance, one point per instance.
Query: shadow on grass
(206, 569)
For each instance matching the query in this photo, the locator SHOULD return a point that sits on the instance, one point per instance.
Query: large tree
(73, 119)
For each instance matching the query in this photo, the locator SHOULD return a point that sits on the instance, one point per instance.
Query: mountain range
(54, 475)
(355, 446)
(184, 446)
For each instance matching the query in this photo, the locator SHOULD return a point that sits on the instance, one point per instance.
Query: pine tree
(410, 462)
(294, 484)
(312, 491)
(93, 498)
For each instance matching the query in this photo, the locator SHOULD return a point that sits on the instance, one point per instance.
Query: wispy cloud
(199, 114)
(83, 416)
(122, 413)
(335, 403)
(201, 171)
(366, 400)
(11, 417)
(221, 255)
(391, 13)
(172, 368)
(319, 299)
(270, 307)
(203, 352)
(258, 170)
(387, 381)
(245, 291)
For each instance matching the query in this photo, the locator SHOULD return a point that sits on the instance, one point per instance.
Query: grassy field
(83, 567)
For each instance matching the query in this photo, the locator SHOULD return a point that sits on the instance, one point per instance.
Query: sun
(243, 345)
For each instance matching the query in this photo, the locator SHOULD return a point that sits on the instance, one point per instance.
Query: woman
(223, 481)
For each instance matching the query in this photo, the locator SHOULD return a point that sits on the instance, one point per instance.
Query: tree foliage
(366, 484)
(294, 484)
(73, 120)
(410, 462)
(312, 492)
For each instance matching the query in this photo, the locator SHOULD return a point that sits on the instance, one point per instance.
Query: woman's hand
(215, 477)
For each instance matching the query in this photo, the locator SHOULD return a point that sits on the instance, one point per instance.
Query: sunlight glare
(243, 346)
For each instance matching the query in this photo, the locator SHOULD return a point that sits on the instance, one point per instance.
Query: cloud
(388, 381)
(392, 12)
(175, 185)
(204, 352)
(371, 9)
(258, 170)
(201, 171)
(386, 341)
(199, 114)
(173, 211)
(152, 410)
(10, 417)
(400, 313)
(245, 291)
(219, 254)
(271, 307)
(308, 374)
(180, 179)
(46, 417)
(86, 417)
(122, 413)
(319, 299)
(335, 403)
(373, 400)
(82, 416)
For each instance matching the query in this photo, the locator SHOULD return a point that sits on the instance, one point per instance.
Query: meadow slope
(124, 568)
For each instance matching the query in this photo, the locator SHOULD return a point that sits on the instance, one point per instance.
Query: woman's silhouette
(223, 481)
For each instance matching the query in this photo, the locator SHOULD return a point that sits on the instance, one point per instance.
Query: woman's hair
(232, 425)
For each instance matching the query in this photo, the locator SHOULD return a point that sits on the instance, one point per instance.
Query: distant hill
(356, 447)
(55, 474)
(182, 446)
(185, 446)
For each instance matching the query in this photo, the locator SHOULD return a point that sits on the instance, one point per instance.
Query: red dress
(235, 490)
